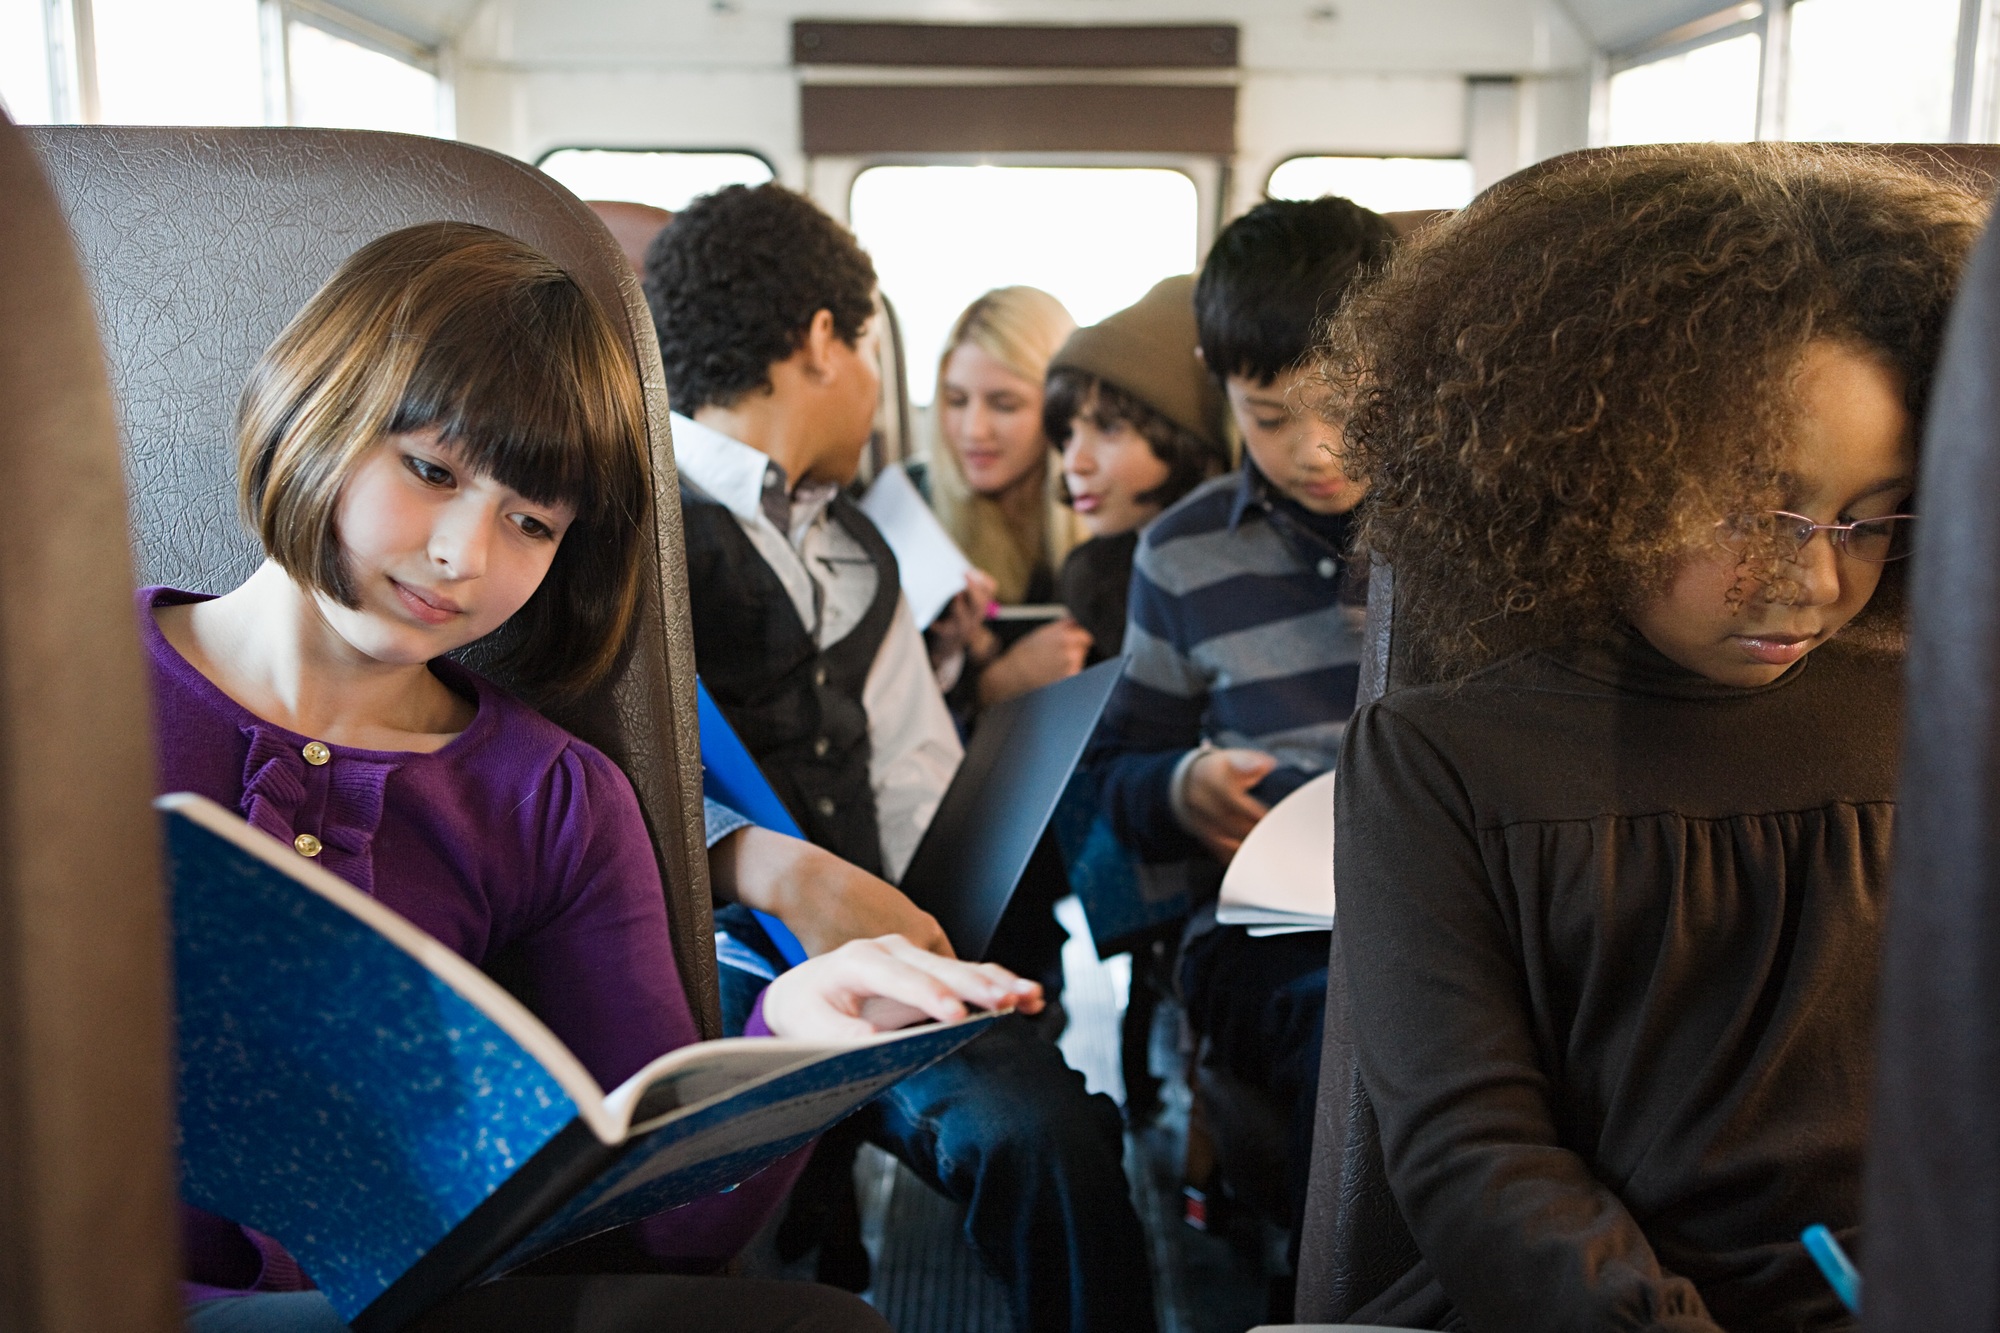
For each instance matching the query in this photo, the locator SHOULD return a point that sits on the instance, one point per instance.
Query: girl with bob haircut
(448, 443)
(1640, 430)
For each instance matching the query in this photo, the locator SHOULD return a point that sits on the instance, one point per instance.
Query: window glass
(1094, 237)
(24, 61)
(344, 85)
(663, 178)
(191, 62)
(1863, 72)
(1385, 184)
(1708, 94)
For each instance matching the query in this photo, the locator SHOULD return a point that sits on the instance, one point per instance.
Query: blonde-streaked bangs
(462, 330)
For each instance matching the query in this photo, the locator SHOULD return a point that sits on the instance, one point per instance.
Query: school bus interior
(187, 172)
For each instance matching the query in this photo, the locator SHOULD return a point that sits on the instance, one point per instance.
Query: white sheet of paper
(1282, 875)
(932, 567)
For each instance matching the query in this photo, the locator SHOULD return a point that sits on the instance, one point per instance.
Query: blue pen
(1840, 1271)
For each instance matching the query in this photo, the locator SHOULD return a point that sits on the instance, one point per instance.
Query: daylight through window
(1385, 184)
(1094, 237)
(663, 178)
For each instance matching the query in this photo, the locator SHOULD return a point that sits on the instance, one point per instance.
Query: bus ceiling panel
(1017, 118)
(1622, 25)
(1017, 45)
(426, 22)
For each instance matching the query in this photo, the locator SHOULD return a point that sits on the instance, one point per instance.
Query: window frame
(278, 16)
(831, 180)
(1975, 93)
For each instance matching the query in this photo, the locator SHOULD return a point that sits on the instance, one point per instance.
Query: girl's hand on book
(870, 986)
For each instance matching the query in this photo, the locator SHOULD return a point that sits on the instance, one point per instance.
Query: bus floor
(927, 1279)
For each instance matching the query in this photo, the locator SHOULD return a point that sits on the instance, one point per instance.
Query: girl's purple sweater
(515, 836)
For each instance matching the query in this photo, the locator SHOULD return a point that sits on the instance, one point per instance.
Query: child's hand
(837, 902)
(1217, 805)
(961, 627)
(822, 899)
(870, 986)
(1052, 653)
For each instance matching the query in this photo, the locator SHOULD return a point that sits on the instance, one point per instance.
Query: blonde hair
(462, 330)
(1022, 328)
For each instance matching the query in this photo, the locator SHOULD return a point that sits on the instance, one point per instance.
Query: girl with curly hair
(1640, 431)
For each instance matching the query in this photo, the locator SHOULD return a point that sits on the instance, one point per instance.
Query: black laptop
(999, 804)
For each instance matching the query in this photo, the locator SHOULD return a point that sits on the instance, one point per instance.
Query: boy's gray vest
(797, 709)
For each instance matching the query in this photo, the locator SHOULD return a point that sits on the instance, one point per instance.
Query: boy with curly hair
(765, 309)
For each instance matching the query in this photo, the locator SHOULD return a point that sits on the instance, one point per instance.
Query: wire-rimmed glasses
(1785, 534)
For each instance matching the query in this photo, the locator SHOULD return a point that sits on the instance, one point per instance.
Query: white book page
(932, 567)
(1282, 875)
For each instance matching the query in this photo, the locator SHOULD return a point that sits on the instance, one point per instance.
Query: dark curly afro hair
(1554, 395)
(734, 282)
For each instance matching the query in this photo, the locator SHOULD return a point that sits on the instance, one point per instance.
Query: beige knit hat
(1148, 350)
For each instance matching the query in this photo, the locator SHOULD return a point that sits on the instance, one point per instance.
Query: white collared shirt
(914, 748)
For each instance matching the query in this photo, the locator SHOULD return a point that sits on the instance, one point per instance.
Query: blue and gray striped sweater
(1243, 630)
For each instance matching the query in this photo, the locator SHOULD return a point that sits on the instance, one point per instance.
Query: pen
(1840, 1272)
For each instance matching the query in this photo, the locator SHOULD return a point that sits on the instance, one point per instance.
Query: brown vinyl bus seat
(201, 243)
(1355, 1242)
(632, 225)
(87, 1239)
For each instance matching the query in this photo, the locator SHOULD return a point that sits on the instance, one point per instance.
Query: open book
(1281, 878)
(403, 1125)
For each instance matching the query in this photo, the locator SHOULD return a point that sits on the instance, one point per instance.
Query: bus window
(664, 178)
(194, 62)
(1385, 184)
(1094, 237)
(334, 82)
(24, 62)
(1860, 73)
(1708, 93)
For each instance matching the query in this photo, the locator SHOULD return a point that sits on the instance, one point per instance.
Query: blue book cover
(402, 1124)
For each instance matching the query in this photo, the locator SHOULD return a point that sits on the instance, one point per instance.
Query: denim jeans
(1262, 1005)
(1007, 1130)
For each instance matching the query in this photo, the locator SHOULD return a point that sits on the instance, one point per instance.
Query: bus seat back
(200, 244)
(1931, 1244)
(85, 1080)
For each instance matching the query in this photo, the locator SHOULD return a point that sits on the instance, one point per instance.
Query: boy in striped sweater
(1243, 641)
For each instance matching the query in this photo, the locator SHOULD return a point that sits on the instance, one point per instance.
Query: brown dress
(1612, 933)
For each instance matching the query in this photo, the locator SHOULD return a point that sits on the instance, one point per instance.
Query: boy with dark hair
(1243, 641)
(765, 313)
